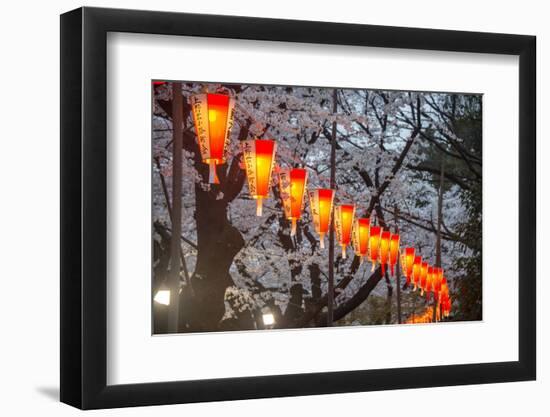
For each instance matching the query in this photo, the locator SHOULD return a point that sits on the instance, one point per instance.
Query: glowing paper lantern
(437, 280)
(374, 245)
(417, 269)
(445, 303)
(320, 203)
(444, 287)
(408, 262)
(394, 252)
(292, 185)
(446, 306)
(259, 158)
(384, 249)
(423, 277)
(429, 281)
(343, 224)
(213, 116)
(361, 230)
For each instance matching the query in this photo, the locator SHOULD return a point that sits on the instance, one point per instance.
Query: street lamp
(268, 319)
(162, 295)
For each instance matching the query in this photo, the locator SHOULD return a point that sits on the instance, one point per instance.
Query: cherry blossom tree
(237, 266)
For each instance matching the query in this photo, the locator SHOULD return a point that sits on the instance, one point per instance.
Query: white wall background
(29, 226)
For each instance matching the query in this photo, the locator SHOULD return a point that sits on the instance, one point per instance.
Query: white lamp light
(162, 296)
(268, 319)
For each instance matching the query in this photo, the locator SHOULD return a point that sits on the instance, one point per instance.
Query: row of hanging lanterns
(443, 309)
(213, 116)
(429, 279)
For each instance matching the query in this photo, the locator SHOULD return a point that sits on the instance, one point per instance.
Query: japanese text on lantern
(292, 186)
(200, 116)
(249, 151)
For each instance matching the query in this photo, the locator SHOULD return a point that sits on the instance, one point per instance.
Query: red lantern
(320, 203)
(445, 299)
(343, 224)
(440, 278)
(417, 269)
(384, 249)
(259, 158)
(394, 252)
(437, 280)
(213, 115)
(361, 230)
(445, 304)
(292, 185)
(423, 277)
(408, 263)
(444, 287)
(374, 245)
(429, 281)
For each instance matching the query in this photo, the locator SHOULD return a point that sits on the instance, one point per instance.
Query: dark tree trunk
(218, 242)
(202, 303)
(355, 301)
(388, 298)
(161, 257)
(294, 311)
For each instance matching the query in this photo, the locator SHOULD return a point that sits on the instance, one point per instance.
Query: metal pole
(398, 273)
(439, 221)
(175, 244)
(330, 295)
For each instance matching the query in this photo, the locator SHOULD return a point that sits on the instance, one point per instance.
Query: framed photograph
(258, 208)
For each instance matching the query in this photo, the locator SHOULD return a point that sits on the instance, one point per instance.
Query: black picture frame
(84, 207)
